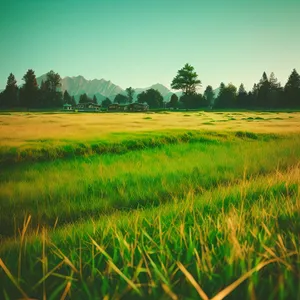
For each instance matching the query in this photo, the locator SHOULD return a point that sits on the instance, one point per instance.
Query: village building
(67, 106)
(128, 107)
(89, 106)
(117, 107)
(138, 107)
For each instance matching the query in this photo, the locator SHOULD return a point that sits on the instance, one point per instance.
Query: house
(117, 107)
(138, 107)
(67, 106)
(89, 106)
(128, 107)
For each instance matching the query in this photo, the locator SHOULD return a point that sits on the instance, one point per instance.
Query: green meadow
(183, 205)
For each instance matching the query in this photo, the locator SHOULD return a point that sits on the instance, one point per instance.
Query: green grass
(47, 149)
(76, 188)
(157, 217)
(217, 237)
(114, 143)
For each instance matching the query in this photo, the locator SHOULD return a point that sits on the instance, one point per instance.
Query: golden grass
(18, 129)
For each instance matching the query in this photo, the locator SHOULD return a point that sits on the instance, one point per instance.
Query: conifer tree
(67, 99)
(263, 91)
(73, 102)
(95, 99)
(292, 89)
(242, 96)
(29, 92)
(209, 95)
(10, 94)
(275, 92)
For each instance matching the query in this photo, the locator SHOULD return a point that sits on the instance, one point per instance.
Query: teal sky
(141, 42)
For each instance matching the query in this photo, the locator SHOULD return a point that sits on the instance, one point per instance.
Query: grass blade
(13, 280)
(225, 292)
(67, 289)
(116, 269)
(191, 279)
(169, 292)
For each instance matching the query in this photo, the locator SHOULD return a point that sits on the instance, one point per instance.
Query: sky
(142, 42)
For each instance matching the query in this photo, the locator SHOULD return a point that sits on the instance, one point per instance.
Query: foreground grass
(245, 234)
(183, 216)
(65, 191)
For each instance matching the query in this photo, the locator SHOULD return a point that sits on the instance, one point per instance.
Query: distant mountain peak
(78, 76)
(157, 86)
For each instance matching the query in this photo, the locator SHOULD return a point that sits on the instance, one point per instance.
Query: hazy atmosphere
(139, 43)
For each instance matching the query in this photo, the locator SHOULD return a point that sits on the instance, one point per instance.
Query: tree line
(268, 93)
(30, 94)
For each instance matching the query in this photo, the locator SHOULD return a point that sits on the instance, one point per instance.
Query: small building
(67, 106)
(113, 107)
(89, 106)
(128, 107)
(117, 107)
(138, 107)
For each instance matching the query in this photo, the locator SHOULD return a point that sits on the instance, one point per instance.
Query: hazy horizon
(140, 44)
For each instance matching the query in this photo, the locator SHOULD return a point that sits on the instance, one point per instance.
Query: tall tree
(73, 102)
(209, 95)
(255, 89)
(53, 81)
(220, 94)
(186, 80)
(130, 92)
(152, 97)
(274, 83)
(121, 99)
(194, 101)
(43, 86)
(50, 96)
(226, 97)
(43, 94)
(292, 89)
(29, 91)
(10, 94)
(95, 100)
(106, 102)
(84, 98)
(254, 95)
(275, 92)
(221, 88)
(251, 100)
(242, 96)
(173, 101)
(67, 98)
(263, 91)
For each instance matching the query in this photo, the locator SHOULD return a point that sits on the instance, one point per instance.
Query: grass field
(192, 205)
(19, 129)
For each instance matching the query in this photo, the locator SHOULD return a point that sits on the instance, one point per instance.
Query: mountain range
(102, 88)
